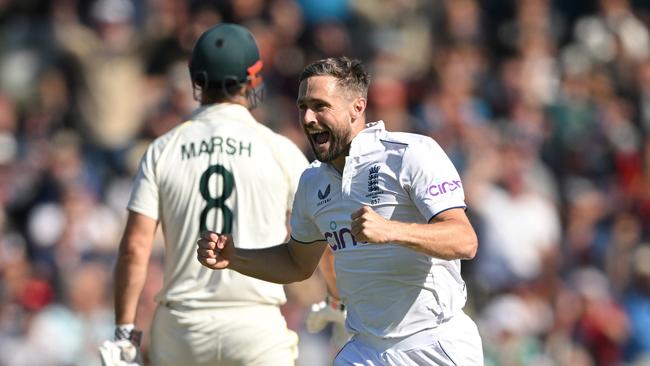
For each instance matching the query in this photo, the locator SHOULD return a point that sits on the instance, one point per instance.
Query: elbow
(133, 250)
(469, 247)
(303, 274)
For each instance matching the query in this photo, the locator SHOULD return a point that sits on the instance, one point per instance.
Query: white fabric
(265, 168)
(120, 353)
(454, 343)
(238, 336)
(389, 291)
(220, 156)
(320, 315)
(340, 335)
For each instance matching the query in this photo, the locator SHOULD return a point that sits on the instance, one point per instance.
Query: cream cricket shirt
(225, 172)
(389, 290)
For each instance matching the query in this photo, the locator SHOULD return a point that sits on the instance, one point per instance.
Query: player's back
(221, 171)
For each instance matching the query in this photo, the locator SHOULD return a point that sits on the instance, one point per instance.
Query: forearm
(131, 268)
(449, 239)
(327, 270)
(274, 264)
(130, 276)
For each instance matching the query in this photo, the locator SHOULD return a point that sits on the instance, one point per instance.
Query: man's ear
(359, 107)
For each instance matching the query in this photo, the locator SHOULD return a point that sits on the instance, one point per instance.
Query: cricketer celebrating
(391, 208)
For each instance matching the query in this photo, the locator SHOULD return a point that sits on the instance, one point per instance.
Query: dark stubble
(339, 144)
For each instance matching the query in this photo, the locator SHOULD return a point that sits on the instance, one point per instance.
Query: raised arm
(284, 263)
(449, 235)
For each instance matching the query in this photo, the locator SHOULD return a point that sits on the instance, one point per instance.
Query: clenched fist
(214, 250)
(369, 226)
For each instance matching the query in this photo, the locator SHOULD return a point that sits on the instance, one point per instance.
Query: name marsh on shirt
(214, 144)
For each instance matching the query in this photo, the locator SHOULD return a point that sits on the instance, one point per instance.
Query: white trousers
(454, 343)
(238, 336)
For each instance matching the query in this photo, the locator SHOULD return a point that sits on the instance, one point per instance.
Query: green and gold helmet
(226, 57)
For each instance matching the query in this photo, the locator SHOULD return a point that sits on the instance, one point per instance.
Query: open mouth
(320, 137)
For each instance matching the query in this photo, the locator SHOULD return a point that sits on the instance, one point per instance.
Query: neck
(238, 99)
(339, 162)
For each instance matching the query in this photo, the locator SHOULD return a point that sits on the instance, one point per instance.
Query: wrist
(334, 303)
(398, 232)
(123, 331)
(235, 261)
(128, 332)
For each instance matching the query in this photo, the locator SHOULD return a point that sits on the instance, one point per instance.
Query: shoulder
(286, 144)
(310, 178)
(412, 154)
(409, 145)
(160, 143)
(312, 175)
(313, 171)
(268, 134)
(286, 149)
(407, 140)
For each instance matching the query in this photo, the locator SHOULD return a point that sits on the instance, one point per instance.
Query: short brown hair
(349, 73)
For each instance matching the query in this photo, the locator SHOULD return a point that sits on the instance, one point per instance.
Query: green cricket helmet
(226, 57)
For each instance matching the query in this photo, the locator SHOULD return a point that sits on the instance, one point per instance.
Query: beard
(339, 143)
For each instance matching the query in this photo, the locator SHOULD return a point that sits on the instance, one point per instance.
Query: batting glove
(124, 350)
(329, 311)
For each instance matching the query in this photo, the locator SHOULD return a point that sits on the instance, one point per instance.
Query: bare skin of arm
(131, 268)
(449, 235)
(285, 263)
(326, 268)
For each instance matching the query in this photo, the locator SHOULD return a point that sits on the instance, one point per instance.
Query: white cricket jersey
(389, 290)
(225, 172)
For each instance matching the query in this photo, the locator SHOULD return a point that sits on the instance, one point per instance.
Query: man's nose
(309, 117)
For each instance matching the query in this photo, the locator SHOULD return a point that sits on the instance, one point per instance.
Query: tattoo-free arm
(326, 268)
(449, 235)
(284, 263)
(131, 268)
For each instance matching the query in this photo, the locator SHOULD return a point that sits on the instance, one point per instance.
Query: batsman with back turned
(223, 171)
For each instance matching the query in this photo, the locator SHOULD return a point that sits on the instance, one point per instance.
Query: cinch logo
(339, 237)
(444, 187)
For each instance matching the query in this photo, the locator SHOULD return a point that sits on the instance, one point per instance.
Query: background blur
(544, 107)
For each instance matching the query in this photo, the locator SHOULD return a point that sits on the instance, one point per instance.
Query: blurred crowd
(543, 106)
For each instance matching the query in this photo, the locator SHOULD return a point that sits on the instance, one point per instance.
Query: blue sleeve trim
(394, 142)
(306, 242)
(446, 209)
